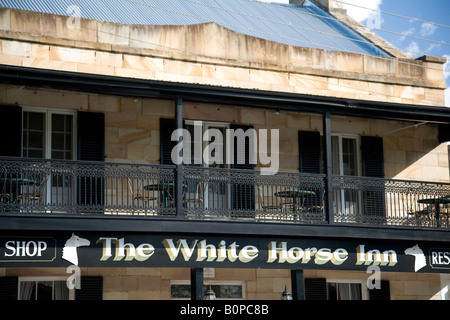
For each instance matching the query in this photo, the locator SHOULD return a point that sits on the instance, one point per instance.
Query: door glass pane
(62, 145)
(61, 148)
(217, 188)
(196, 144)
(335, 155)
(349, 157)
(33, 144)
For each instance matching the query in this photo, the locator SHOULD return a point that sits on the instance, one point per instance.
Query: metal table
(166, 189)
(295, 195)
(437, 203)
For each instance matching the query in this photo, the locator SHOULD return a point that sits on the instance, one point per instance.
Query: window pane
(36, 140)
(222, 291)
(344, 291)
(33, 134)
(57, 155)
(58, 122)
(180, 291)
(355, 291)
(44, 290)
(335, 155)
(332, 291)
(61, 290)
(36, 121)
(228, 291)
(62, 145)
(58, 141)
(27, 290)
(34, 154)
(349, 156)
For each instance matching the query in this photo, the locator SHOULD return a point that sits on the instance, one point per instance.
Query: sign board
(171, 250)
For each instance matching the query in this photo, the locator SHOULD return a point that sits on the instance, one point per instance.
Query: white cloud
(427, 29)
(447, 77)
(371, 15)
(447, 97)
(447, 67)
(408, 32)
(413, 48)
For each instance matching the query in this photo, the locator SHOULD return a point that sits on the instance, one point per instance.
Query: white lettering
(25, 248)
(321, 256)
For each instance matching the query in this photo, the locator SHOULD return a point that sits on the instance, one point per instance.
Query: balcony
(68, 188)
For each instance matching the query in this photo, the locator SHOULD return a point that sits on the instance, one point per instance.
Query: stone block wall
(258, 284)
(213, 55)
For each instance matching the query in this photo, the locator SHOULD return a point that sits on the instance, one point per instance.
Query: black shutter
(310, 161)
(91, 289)
(373, 166)
(167, 126)
(11, 131)
(243, 192)
(309, 152)
(373, 158)
(384, 293)
(316, 289)
(444, 132)
(91, 147)
(9, 287)
(91, 136)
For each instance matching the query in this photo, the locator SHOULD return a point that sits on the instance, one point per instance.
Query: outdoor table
(294, 195)
(165, 189)
(12, 184)
(436, 202)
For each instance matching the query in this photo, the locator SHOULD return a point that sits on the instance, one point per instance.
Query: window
(37, 288)
(48, 134)
(345, 291)
(230, 290)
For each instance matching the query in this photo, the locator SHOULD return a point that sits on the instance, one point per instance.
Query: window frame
(48, 112)
(363, 283)
(44, 279)
(212, 283)
(340, 137)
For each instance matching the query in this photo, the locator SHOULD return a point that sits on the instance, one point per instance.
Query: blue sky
(436, 11)
(404, 33)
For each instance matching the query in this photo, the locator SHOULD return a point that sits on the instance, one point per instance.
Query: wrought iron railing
(214, 193)
(391, 202)
(92, 188)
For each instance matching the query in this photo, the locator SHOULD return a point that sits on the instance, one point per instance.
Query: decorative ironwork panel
(42, 186)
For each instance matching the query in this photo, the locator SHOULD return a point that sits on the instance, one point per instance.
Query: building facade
(349, 184)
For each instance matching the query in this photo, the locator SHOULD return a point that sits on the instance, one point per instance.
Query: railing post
(179, 167)
(328, 167)
(197, 284)
(297, 284)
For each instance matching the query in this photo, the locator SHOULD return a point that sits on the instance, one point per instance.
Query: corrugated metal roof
(306, 26)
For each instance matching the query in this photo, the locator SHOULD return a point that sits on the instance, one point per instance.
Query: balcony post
(298, 286)
(179, 167)
(328, 160)
(197, 284)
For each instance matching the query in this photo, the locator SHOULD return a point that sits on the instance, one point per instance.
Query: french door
(346, 162)
(216, 191)
(50, 134)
